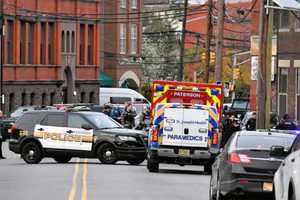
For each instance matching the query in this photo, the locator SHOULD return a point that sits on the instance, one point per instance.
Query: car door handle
(283, 163)
(293, 160)
(40, 129)
(69, 131)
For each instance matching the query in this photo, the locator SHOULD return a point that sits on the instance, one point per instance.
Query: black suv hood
(121, 131)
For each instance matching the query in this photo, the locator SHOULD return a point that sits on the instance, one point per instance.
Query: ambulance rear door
(195, 127)
(172, 126)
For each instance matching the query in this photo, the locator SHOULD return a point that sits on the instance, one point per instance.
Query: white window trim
(134, 33)
(134, 6)
(123, 37)
(281, 94)
(123, 4)
(297, 94)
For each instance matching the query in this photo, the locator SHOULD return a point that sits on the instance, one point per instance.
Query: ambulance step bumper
(172, 153)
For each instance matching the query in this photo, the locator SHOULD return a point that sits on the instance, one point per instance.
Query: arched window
(52, 100)
(63, 42)
(73, 41)
(44, 99)
(32, 99)
(23, 99)
(92, 97)
(82, 97)
(11, 105)
(68, 41)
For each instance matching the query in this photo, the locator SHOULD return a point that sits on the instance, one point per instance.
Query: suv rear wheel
(62, 159)
(106, 153)
(32, 153)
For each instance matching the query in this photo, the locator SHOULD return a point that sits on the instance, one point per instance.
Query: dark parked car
(248, 163)
(66, 134)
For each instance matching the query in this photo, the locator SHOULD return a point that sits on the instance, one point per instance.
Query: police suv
(66, 134)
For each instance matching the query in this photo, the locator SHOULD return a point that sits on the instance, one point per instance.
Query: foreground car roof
(279, 133)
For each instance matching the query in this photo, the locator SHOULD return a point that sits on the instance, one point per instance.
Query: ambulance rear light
(215, 139)
(12, 129)
(154, 135)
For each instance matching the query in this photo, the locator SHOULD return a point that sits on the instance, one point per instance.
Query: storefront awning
(288, 4)
(106, 80)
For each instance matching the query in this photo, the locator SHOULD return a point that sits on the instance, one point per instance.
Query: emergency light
(214, 92)
(159, 88)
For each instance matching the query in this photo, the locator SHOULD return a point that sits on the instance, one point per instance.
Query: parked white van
(120, 96)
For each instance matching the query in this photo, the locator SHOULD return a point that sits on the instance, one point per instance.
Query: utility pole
(219, 42)
(181, 66)
(2, 56)
(264, 67)
(209, 33)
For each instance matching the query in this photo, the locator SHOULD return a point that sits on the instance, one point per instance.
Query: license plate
(268, 186)
(184, 152)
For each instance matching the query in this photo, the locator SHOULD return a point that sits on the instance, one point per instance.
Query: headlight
(127, 138)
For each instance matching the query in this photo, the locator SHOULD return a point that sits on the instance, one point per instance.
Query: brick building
(122, 43)
(51, 52)
(286, 84)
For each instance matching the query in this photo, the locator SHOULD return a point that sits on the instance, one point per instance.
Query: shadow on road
(178, 171)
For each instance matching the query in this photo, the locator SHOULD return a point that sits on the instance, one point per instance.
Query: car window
(55, 120)
(263, 142)
(28, 121)
(102, 121)
(76, 121)
(119, 100)
(296, 145)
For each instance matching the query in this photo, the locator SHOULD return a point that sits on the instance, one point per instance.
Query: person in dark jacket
(145, 116)
(128, 116)
(251, 123)
(286, 123)
(1, 155)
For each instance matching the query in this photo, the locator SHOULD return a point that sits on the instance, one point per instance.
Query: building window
(11, 105)
(283, 88)
(123, 4)
(73, 41)
(134, 4)
(32, 99)
(22, 42)
(68, 42)
(90, 45)
(30, 42)
(51, 43)
(44, 99)
(134, 39)
(10, 42)
(42, 44)
(123, 41)
(23, 99)
(52, 100)
(298, 93)
(63, 42)
(82, 97)
(92, 97)
(81, 45)
(284, 19)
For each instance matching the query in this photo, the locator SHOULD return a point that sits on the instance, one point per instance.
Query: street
(88, 179)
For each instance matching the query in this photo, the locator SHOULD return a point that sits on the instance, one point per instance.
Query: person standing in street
(251, 123)
(286, 123)
(128, 116)
(1, 155)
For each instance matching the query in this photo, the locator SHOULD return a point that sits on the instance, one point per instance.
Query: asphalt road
(87, 179)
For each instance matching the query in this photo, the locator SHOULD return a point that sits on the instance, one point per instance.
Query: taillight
(215, 139)
(154, 135)
(12, 129)
(236, 158)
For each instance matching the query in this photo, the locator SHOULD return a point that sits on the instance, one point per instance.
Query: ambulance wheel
(152, 165)
(32, 153)
(135, 161)
(62, 159)
(207, 169)
(106, 153)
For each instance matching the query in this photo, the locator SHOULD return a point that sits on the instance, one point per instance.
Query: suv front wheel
(31, 153)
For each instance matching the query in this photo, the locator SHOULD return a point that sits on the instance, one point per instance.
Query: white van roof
(123, 91)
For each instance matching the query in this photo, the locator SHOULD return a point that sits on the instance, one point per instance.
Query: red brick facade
(52, 52)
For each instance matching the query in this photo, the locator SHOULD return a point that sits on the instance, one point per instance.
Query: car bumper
(131, 153)
(14, 146)
(242, 184)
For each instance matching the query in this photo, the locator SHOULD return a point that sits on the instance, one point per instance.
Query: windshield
(102, 121)
(240, 105)
(264, 142)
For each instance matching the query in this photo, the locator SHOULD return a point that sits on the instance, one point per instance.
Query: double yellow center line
(72, 193)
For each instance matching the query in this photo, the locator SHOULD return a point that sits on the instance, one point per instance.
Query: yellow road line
(84, 181)
(72, 193)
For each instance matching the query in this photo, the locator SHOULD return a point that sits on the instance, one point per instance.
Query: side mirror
(277, 151)
(86, 127)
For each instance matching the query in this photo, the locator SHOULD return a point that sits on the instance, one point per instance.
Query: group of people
(127, 116)
(1, 139)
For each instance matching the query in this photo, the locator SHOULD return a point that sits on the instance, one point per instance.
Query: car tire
(207, 169)
(136, 161)
(32, 153)
(152, 165)
(107, 154)
(62, 159)
(292, 196)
